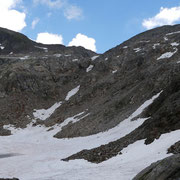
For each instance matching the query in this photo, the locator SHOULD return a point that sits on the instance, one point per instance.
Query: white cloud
(166, 16)
(35, 22)
(73, 12)
(48, 38)
(11, 18)
(50, 3)
(84, 41)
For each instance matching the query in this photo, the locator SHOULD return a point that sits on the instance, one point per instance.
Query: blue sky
(95, 24)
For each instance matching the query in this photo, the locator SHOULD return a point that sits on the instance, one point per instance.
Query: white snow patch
(43, 114)
(106, 58)
(24, 58)
(174, 44)
(178, 62)
(167, 55)
(40, 153)
(155, 45)
(74, 119)
(74, 60)
(44, 48)
(118, 56)
(137, 49)
(94, 57)
(2, 47)
(72, 93)
(57, 55)
(114, 71)
(67, 55)
(11, 53)
(165, 38)
(169, 34)
(125, 47)
(89, 68)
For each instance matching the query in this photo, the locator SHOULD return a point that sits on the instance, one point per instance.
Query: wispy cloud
(166, 16)
(73, 12)
(49, 38)
(50, 3)
(35, 22)
(70, 11)
(11, 18)
(84, 41)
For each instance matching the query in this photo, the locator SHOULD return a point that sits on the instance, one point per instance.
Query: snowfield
(37, 155)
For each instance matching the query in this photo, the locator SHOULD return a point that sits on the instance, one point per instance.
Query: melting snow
(72, 93)
(43, 114)
(58, 55)
(114, 71)
(89, 68)
(74, 60)
(2, 47)
(167, 55)
(169, 34)
(137, 49)
(74, 119)
(24, 58)
(94, 57)
(165, 38)
(155, 45)
(174, 44)
(40, 153)
(44, 48)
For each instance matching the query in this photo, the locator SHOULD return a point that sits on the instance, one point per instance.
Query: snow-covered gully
(36, 155)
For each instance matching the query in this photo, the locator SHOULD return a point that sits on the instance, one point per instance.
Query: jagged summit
(109, 106)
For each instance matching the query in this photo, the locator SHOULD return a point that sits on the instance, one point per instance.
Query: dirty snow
(43, 114)
(57, 55)
(89, 68)
(167, 55)
(24, 58)
(44, 48)
(72, 93)
(169, 34)
(145, 41)
(137, 49)
(94, 57)
(39, 154)
(155, 45)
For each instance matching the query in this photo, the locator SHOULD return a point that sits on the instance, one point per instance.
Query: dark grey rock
(166, 169)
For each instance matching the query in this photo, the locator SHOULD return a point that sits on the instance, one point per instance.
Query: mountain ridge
(76, 93)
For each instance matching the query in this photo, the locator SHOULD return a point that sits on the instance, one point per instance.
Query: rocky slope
(97, 91)
(168, 168)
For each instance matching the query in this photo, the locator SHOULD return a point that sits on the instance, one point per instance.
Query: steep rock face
(111, 86)
(168, 168)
